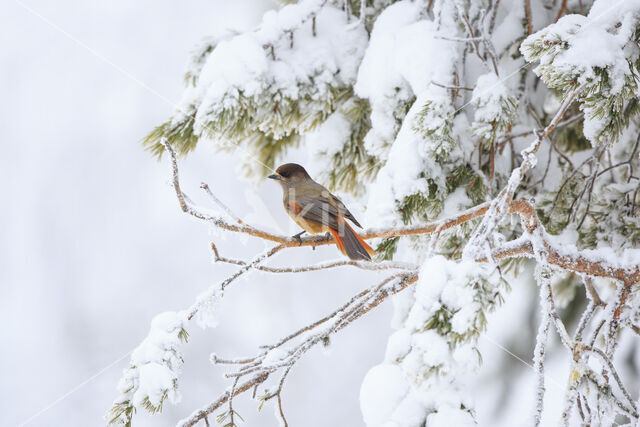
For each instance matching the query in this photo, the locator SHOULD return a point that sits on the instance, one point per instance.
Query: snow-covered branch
(280, 357)
(565, 257)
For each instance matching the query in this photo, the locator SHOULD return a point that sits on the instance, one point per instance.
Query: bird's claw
(297, 238)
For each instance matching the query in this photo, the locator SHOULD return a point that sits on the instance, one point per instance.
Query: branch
(499, 206)
(202, 414)
(538, 357)
(384, 265)
(570, 260)
(527, 14)
(217, 201)
(609, 364)
(452, 87)
(193, 310)
(267, 362)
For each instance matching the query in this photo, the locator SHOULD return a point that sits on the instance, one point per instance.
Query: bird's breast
(308, 226)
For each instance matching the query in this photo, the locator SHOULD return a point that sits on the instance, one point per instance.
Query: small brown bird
(316, 210)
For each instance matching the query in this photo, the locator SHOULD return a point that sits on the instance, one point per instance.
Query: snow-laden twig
(539, 352)
(601, 354)
(614, 321)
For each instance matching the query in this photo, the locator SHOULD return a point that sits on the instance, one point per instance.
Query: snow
(325, 141)
(493, 104)
(624, 259)
(446, 283)
(330, 136)
(155, 379)
(155, 364)
(507, 28)
(591, 47)
(274, 356)
(581, 47)
(382, 389)
(434, 349)
(447, 416)
(393, 72)
(206, 315)
(607, 14)
(455, 203)
(397, 179)
(434, 363)
(265, 63)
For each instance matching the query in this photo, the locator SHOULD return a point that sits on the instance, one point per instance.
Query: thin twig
(383, 265)
(217, 201)
(452, 87)
(614, 372)
(527, 14)
(201, 414)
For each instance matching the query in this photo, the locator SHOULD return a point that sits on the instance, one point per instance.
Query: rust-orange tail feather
(350, 243)
(338, 240)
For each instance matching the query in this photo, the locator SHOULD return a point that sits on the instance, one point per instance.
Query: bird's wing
(345, 211)
(319, 205)
(319, 209)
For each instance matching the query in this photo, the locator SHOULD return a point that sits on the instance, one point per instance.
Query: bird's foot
(297, 237)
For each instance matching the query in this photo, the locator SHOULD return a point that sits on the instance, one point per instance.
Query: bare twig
(452, 87)
(245, 268)
(563, 8)
(593, 293)
(527, 14)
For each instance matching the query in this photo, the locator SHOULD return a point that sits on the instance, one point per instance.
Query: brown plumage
(316, 210)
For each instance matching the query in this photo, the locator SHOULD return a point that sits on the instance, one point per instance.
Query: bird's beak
(275, 176)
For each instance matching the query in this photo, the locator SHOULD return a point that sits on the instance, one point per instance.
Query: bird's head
(290, 175)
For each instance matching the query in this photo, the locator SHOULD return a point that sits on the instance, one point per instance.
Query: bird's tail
(350, 243)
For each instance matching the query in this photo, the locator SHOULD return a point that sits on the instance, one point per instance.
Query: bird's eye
(284, 174)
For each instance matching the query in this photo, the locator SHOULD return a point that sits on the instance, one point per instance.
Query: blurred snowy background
(92, 241)
(93, 245)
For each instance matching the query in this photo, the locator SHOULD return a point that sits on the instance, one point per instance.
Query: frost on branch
(430, 360)
(152, 375)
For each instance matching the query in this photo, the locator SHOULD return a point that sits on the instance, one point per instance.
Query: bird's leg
(297, 237)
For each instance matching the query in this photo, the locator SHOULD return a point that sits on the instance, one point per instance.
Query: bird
(316, 210)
